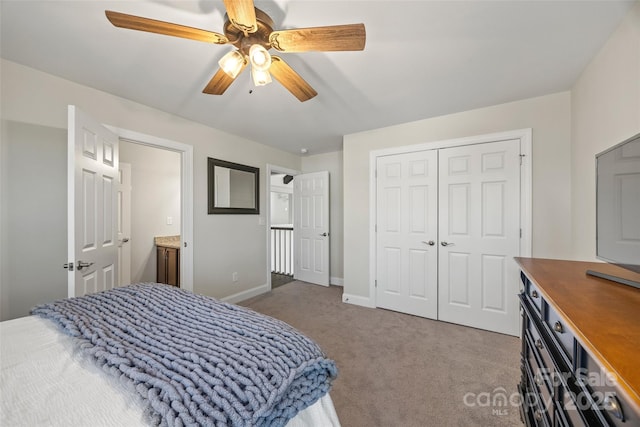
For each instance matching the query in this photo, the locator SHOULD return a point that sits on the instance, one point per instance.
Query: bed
(76, 362)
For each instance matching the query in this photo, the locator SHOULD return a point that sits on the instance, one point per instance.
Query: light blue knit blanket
(195, 360)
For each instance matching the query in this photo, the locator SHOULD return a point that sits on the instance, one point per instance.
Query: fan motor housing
(243, 42)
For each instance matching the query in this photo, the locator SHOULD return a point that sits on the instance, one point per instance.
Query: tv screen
(618, 204)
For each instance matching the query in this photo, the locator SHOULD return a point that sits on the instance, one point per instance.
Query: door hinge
(521, 233)
(376, 227)
(375, 283)
(521, 156)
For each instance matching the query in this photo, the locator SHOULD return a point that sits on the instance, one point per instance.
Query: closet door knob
(446, 244)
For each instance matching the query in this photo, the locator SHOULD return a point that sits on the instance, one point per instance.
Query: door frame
(186, 194)
(524, 135)
(269, 170)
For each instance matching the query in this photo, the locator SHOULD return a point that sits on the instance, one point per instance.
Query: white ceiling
(422, 59)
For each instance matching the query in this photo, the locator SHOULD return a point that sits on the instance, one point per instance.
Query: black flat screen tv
(618, 208)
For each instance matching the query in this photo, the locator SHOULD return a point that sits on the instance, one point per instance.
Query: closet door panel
(406, 215)
(479, 205)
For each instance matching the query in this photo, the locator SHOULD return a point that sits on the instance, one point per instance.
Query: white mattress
(44, 382)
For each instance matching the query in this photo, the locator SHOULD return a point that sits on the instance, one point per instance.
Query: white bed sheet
(44, 382)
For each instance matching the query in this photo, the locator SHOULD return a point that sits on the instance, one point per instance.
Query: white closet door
(479, 202)
(407, 226)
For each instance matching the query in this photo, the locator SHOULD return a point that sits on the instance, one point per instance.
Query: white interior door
(479, 230)
(407, 232)
(124, 223)
(92, 152)
(311, 227)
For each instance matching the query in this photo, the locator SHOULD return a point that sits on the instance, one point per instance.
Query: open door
(311, 227)
(92, 182)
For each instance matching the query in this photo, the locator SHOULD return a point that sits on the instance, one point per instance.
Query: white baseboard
(358, 300)
(249, 293)
(336, 281)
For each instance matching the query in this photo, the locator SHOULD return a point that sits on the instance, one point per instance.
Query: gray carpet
(401, 370)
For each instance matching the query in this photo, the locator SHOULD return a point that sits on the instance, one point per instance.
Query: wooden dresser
(580, 345)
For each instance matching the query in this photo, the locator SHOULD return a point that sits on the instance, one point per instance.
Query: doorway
(310, 237)
(184, 155)
(280, 209)
(155, 214)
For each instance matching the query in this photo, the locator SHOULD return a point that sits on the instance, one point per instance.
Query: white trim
(336, 281)
(358, 300)
(249, 293)
(186, 209)
(269, 169)
(526, 194)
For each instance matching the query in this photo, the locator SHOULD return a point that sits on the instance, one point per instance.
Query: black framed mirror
(232, 188)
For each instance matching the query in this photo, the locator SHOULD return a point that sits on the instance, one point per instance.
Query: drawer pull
(612, 404)
(539, 344)
(534, 293)
(539, 380)
(537, 414)
(558, 327)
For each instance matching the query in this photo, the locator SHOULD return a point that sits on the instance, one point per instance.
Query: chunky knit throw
(195, 360)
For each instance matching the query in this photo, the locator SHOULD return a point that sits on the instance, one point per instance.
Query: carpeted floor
(401, 370)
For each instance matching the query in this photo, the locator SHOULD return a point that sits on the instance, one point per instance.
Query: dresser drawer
(538, 344)
(605, 391)
(569, 409)
(541, 379)
(532, 292)
(538, 408)
(561, 335)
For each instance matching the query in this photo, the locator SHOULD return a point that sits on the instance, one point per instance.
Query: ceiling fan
(251, 32)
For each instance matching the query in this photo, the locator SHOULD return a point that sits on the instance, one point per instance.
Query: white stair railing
(282, 250)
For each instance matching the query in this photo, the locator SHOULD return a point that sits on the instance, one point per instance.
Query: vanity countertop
(168, 241)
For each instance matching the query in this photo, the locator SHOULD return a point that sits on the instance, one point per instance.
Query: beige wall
(34, 216)
(222, 244)
(605, 111)
(548, 116)
(332, 162)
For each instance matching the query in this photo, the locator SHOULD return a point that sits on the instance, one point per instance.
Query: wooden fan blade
(330, 38)
(122, 20)
(242, 14)
(220, 82)
(291, 80)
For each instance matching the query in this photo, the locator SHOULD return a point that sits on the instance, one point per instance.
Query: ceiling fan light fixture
(232, 63)
(260, 77)
(259, 57)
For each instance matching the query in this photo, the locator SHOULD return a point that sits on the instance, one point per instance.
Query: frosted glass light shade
(232, 63)
(260, 77)
(259, 57)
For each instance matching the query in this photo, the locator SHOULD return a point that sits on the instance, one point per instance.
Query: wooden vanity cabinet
(168, 265)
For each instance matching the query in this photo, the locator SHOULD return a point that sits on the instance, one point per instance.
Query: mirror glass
(233, 188)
